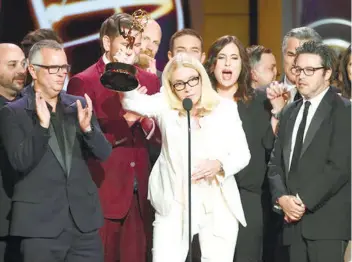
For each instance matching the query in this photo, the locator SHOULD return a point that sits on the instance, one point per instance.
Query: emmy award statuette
(120, 77)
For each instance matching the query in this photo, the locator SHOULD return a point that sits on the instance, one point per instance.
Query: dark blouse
(255, 116)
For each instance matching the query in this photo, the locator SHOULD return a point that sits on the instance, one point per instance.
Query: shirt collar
(288, 83)
(291, 88)
(315, 101)
(105, 59)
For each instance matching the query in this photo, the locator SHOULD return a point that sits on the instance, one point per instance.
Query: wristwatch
(88, 130)
(276, 115)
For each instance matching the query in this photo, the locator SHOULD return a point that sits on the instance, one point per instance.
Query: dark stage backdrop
(331, 19)
(78, 21)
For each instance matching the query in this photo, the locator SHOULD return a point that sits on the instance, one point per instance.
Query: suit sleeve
(337, 170)
(144, 105)
(275, 170)
(25, 148)
(149, 80)
(96, 141)
(157, 85)
(269, 137)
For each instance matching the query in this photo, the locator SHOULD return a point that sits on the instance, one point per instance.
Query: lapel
(68, 125)
(323, 110)
(54, 146)
(288, 135)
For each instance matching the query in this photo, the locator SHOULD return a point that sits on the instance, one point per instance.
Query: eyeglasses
(54, 69)
(180, 85)
(308, 71)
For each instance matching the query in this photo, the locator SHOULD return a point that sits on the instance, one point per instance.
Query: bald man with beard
(12, 77)
(12, 72)
(150, 43)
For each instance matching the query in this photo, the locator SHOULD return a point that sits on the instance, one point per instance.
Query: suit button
(132, 164)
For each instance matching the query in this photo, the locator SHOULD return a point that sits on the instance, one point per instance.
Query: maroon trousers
(124, 240)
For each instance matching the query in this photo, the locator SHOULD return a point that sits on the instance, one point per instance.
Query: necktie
(299, 139)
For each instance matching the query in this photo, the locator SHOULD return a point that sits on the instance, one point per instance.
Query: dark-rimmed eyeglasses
(308, 71)
(180, 85)
(54, 69)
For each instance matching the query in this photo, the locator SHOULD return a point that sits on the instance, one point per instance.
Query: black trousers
(3, 244)
(10, 249)
(250, 238)
(273, 248)
(305, 250)
(70, 246)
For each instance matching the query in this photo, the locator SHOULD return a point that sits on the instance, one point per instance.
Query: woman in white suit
(219, 150)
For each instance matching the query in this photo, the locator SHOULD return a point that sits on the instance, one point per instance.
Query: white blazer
(226, 142)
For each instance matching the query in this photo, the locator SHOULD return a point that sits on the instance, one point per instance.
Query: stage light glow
(55, 13)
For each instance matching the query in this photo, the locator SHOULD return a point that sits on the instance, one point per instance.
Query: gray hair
(35, 56)
(255, 53)
(302, 34)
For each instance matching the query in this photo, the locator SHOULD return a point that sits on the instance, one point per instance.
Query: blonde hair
(209, 98)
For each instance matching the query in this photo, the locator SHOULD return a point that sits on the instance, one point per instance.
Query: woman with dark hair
(229, 70)
(346, 73)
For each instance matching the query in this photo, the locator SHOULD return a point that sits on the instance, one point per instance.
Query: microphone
(187, 105)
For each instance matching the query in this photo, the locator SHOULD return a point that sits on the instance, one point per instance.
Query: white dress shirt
(291, 88)
(315, 101)
(105, 59)
(222, 139)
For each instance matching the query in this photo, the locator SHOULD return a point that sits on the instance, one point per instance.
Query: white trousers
(348, 255)
(171, 245)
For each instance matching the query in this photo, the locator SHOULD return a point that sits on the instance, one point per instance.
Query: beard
(11, 84)
(144, 57)
(148, 52)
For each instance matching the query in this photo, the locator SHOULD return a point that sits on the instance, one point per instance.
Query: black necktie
(299, 139)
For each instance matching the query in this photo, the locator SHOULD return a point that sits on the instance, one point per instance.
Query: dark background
(17, 18)
(333, 17)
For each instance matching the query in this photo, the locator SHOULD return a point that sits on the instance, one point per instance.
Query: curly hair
(326, 53)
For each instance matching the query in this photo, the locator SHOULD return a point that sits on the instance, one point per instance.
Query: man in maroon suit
(122, 179)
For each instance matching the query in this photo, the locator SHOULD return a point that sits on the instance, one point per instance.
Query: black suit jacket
(7, 179)
(324, 173)
(49, 189)
(255, 116)
(8, 176)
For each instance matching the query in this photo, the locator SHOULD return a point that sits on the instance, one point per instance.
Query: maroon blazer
(129, 157)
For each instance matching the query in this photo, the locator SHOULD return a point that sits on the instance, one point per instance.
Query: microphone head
(187, 104)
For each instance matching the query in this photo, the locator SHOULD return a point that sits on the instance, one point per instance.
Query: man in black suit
(47, 135)
(310, 167)
(273, 250)
(12, 75)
